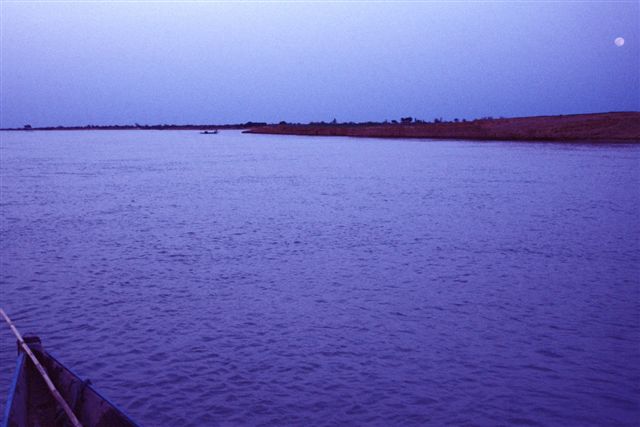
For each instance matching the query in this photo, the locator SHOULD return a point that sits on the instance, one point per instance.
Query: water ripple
(263, 280)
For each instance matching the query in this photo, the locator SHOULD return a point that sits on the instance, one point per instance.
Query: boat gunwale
(12, 389)
(21, 365)
(47, 354)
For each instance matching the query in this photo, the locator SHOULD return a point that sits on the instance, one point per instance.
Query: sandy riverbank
(622, 126)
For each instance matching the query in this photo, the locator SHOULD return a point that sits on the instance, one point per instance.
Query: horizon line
(251, 123)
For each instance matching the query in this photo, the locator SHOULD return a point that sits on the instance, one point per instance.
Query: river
(239, 279)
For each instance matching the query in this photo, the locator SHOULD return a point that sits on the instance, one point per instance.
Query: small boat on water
(209, 132)
(44, 392)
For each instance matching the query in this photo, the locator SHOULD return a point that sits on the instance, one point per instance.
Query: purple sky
(68, 63)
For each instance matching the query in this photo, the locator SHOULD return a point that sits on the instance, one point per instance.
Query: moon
(619, 41)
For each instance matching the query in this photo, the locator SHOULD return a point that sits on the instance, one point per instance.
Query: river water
(238, 279)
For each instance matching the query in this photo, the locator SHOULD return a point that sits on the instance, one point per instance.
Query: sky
(95, 62)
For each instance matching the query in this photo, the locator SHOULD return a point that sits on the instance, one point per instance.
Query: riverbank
(621, 126)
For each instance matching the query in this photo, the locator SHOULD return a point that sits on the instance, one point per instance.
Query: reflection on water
(263, 280)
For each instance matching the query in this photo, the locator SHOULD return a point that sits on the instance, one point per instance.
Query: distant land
(137, 126)
(618, 126)
(613, 126)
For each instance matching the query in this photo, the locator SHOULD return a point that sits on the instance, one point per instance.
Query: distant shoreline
(613, 127)
(618, 126)
(248, 125)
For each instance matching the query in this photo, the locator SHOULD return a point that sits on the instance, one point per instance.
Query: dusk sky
(73, 63)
